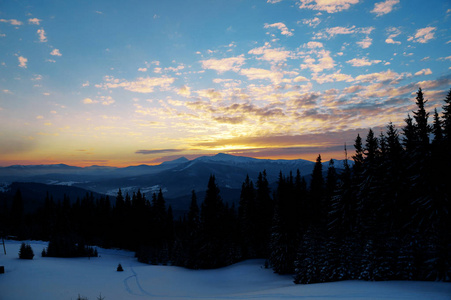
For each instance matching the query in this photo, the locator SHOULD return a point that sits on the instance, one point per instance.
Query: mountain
(34, 194)
(176, 178)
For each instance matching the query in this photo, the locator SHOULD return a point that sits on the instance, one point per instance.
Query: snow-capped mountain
(176, 178)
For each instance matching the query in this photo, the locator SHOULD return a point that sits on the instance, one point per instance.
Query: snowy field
(62, 278)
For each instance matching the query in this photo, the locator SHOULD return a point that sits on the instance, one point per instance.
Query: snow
(66, 278)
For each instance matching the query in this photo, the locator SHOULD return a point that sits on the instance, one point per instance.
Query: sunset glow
(128, 83)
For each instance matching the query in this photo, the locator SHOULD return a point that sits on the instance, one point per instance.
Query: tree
(331, 180)
(437, 130)
(421, 119)
(26, 252)
(213, 229)
(17, 214)
(247, 215)
(409, 140)
(264, 215)
(317, 194)
(358, 157)
(193, 214)
(447, 119)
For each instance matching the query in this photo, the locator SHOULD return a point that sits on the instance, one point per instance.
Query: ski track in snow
(58, 278)
(138, 285)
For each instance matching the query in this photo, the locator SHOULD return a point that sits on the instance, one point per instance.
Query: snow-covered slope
(62, 278)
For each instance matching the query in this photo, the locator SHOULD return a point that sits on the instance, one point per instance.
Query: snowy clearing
(66, 278)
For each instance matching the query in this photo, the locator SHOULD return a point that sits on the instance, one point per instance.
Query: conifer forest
(385, 216)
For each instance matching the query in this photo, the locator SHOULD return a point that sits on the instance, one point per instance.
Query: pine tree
(421, 119)
(331, 181)
(247, 218)
(264, 216)
(358, 157)
(213, 251)
(447, 120)
(317, 194)
(26, 252)
(17, 214)
(193, 214)
(410, 138)
(437, 130)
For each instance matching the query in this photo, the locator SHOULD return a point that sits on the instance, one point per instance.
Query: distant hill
(34, 194)
(176, 178)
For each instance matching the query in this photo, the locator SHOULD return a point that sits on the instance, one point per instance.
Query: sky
(120, 83)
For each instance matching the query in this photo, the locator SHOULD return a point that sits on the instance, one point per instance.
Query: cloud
(256, 73)
(312, 22)
(383, 8)
(331, 6)
(423, 35)
(140, 85)
(211, 94)
(331, 32)
(332, 77)
(282, 27)
(424, 72)
(107, 100)
(313, 45)
(300, 79)
(22, 62)
(393, 32)
(324, 61)
(142, 70)
(88, 101)
(443, 81)
(381, 76)
(273, 1)
(146, 152)
(184, 91)
(42, 37)
(56, 52)
(365, 43)
(225, 64)
(37, 77)
(34, 21)
(12, 22)
(269, 54)
(362, 62)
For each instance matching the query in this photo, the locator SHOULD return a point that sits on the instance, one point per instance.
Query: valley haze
(176, 178)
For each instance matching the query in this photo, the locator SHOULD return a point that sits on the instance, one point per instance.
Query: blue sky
(129, 82)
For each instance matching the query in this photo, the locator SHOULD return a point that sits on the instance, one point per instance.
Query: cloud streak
(282, 27)
(143, 85)
(223, 65)
(383, 8)
(423, 35)
(158, 151)
(330, 6)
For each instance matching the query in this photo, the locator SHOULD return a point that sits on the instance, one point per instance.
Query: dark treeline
(385, 217)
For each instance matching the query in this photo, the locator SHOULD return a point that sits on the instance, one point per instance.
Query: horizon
(115, 84)
(170, 160)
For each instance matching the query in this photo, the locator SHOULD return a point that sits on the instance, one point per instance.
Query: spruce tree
(17, 214)
(317, 194)
(421, 119)
(193, 214)
(264, 216)
(437, 130)
(26, 252)
(247, 219)
(447, 120)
